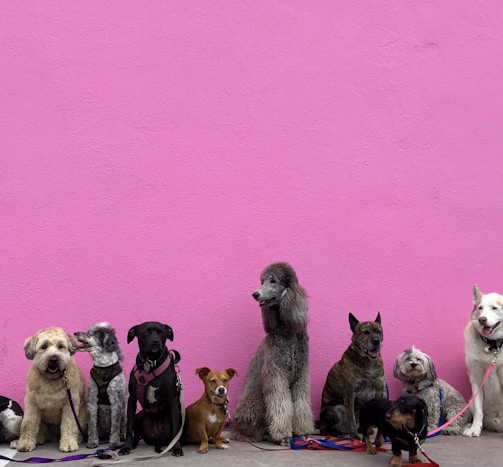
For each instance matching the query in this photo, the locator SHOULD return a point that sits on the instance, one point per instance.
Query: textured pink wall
(155, 156)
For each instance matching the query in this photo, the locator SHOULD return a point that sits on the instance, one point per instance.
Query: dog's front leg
(219, 439)
(131, 412)
(176, 423)
(478, 404)
(92, 413)
(68, 441)
(302, 424)
(349, 404)
(279, 407)
(30, 426)
(396, 458)
(203, 435)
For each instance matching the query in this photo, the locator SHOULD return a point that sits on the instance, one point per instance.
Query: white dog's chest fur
(478, 361)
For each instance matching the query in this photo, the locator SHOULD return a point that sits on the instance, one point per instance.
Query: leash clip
(495, 356)
(105, 454)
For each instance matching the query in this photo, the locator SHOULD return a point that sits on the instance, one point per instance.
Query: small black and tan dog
(154, 383)
(353, 380)
(404, 422)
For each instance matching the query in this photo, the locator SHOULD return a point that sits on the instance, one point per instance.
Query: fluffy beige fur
(47, 411)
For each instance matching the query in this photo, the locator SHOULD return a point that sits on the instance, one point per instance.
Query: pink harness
(144, 378)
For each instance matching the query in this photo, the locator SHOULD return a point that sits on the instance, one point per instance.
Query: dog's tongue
(374, 353)
(486, 330)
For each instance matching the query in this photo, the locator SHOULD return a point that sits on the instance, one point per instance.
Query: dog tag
(146, 367)
(487, 348)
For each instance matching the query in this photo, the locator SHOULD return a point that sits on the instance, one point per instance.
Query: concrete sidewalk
(446, 451)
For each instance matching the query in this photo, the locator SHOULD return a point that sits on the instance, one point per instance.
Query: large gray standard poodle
(275, 401)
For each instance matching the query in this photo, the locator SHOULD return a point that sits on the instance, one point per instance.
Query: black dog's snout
(376, 341)
(256, 295)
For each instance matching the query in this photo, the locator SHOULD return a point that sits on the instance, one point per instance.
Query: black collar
(491, 344)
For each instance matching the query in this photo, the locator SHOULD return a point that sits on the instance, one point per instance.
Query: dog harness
(144, 378)
(102, 377)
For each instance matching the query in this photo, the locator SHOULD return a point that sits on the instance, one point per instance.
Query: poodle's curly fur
(416, 371)
(107, 387)
(275, 401)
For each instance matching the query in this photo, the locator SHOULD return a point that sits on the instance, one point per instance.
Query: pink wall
(157, 155)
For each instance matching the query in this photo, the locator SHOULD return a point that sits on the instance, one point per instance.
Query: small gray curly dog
(416, 371)
(106, 388)
(275, 401)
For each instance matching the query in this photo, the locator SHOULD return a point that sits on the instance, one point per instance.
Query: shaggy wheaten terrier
(48, 414)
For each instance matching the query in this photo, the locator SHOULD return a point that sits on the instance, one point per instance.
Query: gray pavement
(446, 451)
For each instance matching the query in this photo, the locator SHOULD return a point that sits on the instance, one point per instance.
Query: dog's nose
(221, 391)
(483, 320)
(256, 295)
(413, 365)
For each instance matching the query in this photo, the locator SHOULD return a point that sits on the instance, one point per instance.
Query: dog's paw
(68, 445)
(92, 443)
(124, 451)
(25, 446)
(284, 442)
(13, 444)
(203, 449)
(371, 450)
(472, 431)
(177, 452)
(355, 436)
(452, 430)
(395, 461)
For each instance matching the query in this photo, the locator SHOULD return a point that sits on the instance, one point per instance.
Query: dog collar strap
(417, 389)
(492, 345)
(223, 406)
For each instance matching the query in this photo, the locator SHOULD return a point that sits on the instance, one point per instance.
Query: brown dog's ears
(353, 322)
(29, 347)
(231, 372)
(202, 372)
(131, 334)
(72, 343)
(378, 318)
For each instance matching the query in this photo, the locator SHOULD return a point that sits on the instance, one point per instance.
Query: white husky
(483, 340)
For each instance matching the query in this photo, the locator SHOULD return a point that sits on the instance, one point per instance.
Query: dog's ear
(72, 343)
(477, 295)
(396, 366)
(169, 332)
(30, 347)
(431, 373)
(353, 322)
(202, 372)
(131, 334)
(111, 343)
(231, 372)
(292, 309)
(378, 318)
